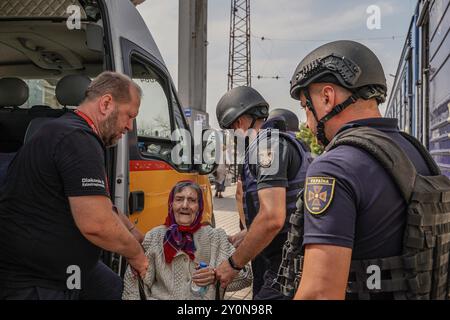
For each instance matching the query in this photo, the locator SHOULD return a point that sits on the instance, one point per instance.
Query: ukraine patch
(319, 192)
(265, 158)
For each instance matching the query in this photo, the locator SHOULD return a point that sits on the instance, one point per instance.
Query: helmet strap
(320, 125)
(253, 122)
(336, 110)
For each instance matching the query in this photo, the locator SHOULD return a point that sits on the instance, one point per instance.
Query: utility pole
(239, 57)
(239, 61)
(192, 43)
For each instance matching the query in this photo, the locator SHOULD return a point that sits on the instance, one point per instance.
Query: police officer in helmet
(284, 117)
(353, 209)
(269, 186)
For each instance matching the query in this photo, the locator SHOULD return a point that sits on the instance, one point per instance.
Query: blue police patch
(319, 192)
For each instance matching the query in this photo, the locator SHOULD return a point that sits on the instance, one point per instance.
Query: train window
(409, 97)
(405, 102)
(397, 109)
(401, 106)
(424, 110)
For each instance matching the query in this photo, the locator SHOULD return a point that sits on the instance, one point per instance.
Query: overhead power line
(268, 77)
(394, 37)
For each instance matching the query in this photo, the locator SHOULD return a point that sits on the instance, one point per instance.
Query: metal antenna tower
(239, 60)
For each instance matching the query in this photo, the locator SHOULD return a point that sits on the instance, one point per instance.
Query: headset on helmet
(239, 101)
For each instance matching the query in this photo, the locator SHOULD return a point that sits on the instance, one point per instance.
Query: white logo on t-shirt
(90, 182)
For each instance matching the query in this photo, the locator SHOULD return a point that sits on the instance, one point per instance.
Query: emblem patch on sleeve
(265, 158)
(319, 192)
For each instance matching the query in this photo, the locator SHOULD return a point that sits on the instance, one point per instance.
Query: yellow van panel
(156, 179)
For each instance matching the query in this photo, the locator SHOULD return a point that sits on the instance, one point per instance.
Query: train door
(423, 107)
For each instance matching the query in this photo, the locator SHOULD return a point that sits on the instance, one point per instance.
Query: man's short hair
(116, 84)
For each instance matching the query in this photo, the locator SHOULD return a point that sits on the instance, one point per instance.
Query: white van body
(42, 42)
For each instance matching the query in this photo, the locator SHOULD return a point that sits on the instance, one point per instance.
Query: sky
(291, 29)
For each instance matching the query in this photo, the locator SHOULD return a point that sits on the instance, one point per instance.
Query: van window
(42, 92)
(159, 116)
(153, 125)
(153, 120)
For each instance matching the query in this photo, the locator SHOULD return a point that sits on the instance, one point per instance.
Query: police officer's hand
(139, 264)
(204, 277)
(225, 274)
(237, 238)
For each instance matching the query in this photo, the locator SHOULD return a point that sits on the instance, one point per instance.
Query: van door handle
(136, 201)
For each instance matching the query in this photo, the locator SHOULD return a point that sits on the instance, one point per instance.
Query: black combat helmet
(239, 101)
(348, 64)
(289, 117)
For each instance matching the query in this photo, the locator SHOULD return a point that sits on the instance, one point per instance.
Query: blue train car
(420, 97)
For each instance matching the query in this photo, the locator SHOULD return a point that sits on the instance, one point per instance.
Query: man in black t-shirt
(55, 208)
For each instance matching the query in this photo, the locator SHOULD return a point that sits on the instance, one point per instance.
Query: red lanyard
(87, 119)
(92, 125)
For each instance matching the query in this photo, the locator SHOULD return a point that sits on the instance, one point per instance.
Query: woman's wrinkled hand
(204, 277)
(237, 238)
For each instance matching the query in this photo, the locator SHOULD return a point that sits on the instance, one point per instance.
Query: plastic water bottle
(195, 289)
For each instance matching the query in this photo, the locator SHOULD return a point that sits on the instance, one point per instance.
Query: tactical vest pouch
(289, 272)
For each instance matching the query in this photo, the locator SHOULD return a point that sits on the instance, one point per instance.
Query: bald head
(119, 86)
(112, 101)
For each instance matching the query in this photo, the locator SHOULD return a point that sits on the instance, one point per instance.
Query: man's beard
(108, 129)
